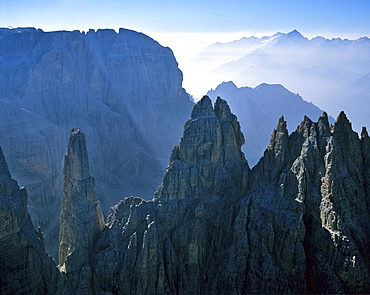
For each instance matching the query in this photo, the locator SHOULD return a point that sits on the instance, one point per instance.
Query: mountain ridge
(217, 226)
(259, 108)
(317, 68)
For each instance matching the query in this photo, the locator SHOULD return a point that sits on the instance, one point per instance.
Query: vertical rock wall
(81, 219)
(25, 267)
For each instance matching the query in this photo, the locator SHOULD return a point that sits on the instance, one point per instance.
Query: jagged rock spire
(8, 186)
(275, 154)
(208, 159)
(81, 216)
(342, 124)
(3, 165)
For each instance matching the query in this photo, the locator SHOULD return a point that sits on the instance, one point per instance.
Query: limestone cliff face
(34, 148)
(123, 89)
(81, 219)
(25, 267)
(122, 85)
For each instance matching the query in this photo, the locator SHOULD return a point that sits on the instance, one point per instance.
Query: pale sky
(334, 17)
(194, 22)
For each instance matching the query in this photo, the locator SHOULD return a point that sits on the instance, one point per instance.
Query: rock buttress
(208, 160)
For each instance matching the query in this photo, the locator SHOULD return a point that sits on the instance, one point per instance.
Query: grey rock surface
(191, 237)
(297, 223)
(81, 219)
(34, 149)
(25, 267)
(123, 89)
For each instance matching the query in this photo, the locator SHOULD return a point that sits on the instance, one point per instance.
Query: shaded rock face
(208, 159)
(318, 208)
(123, 89)
(34, 148)
(297, 223)
(191, 237)
(25, 267)
(81, 219)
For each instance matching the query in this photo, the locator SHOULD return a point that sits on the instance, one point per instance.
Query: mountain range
(258, 110)
(318, 69)
(202, 216)
(123, 89)
(298, 222)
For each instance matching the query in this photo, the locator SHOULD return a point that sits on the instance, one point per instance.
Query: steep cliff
(190, 237)
(123, 89)
(298, 222)
(25, 267)
(313, 189)
(34, 148)
(81, 219)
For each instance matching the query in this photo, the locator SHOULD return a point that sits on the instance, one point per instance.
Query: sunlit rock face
(208, 159)
(313, 189)
(123, 89)
(25, 267)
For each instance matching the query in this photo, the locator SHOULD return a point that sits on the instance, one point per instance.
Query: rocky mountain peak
(323, 123)
(364, 133)
(76, 159)
(81, 219)
(3, 165)
(342, 124)
(209, 149)
(279, 136)
(281, 125)
(203, 108)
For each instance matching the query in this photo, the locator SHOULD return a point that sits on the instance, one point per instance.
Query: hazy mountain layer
(258, 109)
(354, 97)
(313, 68)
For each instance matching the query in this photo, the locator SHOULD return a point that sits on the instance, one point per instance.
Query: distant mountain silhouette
(315, 68)
(258, 110)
